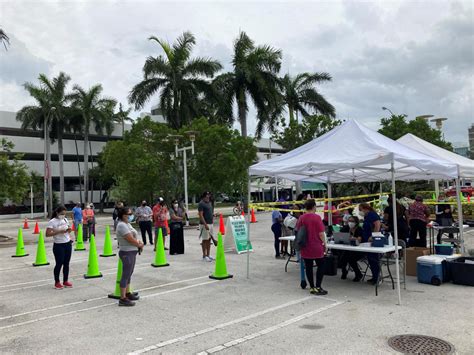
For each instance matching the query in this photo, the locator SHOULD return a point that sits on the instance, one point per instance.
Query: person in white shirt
(58, 228)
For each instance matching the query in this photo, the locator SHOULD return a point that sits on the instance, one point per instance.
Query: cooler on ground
(430, 269)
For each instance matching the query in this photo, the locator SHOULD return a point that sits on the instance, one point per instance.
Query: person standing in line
(143, 216)
(93, 218)
(402, 220)
(284, 243)
(160, 215)
(87, 221)
(77, 217)
(58, 228)
(418, 214)
(177, 215)
(444, 217)
(277, 221)
(315, 247)
(371, 225)
(129, 245)
(118, 206)
(206, 221)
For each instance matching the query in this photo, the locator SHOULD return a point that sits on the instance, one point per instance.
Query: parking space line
(94, 299)
(30, 266)
(268, 330)
(223, 325)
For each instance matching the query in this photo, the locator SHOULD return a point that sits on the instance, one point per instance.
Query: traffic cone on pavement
(41, 259)
(116, 293)
(221, 225)
(79, 240)
(25, 224)
(20, 247)
(108, 251)
(220, 272)
(93, 264)
(37, 229)
(252, 216)
(160, 257)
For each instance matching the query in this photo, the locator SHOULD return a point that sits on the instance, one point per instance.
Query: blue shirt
(275, 216)
(283, 213)
(368, 225)
(77, 211)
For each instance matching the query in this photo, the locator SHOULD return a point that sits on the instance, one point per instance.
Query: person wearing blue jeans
(77, 216)
(277, 220)
(371, 224)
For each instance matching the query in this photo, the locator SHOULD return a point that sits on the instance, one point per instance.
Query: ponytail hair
(58, 210)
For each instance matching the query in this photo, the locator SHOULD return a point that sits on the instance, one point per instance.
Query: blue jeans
(373, 259)
(276, 229)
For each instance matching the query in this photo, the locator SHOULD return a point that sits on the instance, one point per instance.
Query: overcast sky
(414, 57)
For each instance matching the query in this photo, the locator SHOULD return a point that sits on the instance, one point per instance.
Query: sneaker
(67, 284)
(126, 303)
(320, 292)
(132, 297)
(208, 258)
(344, 275)
(313, 291)
(211, 258)
(58, 286)
(204, 258)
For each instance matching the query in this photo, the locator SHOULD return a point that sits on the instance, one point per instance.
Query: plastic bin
(444, 249)
(461, 271)
(429, 269)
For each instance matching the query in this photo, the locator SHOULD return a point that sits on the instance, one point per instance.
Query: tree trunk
(78, 170)
(242, 114)
(61, 165)
(292, 114)
(86, 161)
(50, 177)
(92, 165)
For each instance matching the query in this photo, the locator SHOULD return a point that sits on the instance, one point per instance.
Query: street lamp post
(31, 201)
(192, 138)
(48, 188)
(387, 109)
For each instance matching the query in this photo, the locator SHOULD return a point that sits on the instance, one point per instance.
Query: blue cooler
(430, 269)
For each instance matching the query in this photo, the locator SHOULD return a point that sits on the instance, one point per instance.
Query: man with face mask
(144, 215)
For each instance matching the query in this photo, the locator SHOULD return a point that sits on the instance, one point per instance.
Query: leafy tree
(95, 110)
(15, 181)
(311, 127)
(179, 78)
(254, 77)
(299, 93)
(397, 126)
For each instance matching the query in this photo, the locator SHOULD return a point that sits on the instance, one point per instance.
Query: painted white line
(102, 306)
(268, 330)
(31, 266)
(94, 299)
(220, 326)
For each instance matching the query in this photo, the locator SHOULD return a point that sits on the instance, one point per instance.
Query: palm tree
(299, 93)
(254, 76)
(95, 110)
(52, 107)
(4, 39)
(179, 78)
(122, 116)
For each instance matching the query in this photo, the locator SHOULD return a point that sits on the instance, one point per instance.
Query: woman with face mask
(177, 215)
(350, 257)
(58, 228)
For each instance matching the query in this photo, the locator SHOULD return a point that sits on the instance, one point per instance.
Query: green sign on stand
(236, 237)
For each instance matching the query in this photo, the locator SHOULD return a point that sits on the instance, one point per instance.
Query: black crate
(462, 273)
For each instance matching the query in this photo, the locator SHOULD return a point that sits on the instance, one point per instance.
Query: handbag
(301, 238)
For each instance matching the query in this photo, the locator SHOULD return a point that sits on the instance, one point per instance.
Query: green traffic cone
(93, 263)
(160, 257)
(79, 240)
(41, 259)
(20, 247)
(108, 251)
(116, 294)
(220, 272)
(433, 197)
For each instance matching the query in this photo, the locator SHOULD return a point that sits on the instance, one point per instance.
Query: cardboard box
(412, 254)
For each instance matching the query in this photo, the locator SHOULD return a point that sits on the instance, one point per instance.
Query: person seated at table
(315, 246)
(352, 257)
(371, 225)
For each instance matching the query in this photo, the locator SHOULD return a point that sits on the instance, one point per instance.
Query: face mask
(130, 218)
(61, 216)
(175, 206)
(352, 224)
(143, 204)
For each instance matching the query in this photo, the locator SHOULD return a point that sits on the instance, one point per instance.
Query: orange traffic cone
(221, 225)
(37, 229)
(25, 224)
(73, 228)
(243, 213)
(252, 216)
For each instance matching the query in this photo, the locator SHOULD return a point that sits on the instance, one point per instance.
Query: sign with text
(236, 237)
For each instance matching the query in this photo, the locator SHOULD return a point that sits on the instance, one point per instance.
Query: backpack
(301, 238)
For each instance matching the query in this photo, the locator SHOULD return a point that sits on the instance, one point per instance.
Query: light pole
(387, 109)
(192, 138)
(48, 185)
(31, 201)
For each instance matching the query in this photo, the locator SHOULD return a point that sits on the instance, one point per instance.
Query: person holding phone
(129, 246)
(58, 228)
(206, 221)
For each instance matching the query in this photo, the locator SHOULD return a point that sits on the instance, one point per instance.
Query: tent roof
(466, 166)
(353, 152)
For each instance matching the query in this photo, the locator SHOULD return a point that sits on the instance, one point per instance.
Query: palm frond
(156, 66)
(165, 46)
(142, 92)
(202, 66)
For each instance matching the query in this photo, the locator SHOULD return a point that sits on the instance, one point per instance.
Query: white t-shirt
(57, 223)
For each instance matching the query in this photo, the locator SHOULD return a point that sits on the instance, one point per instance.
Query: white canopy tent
(352, 152)
(465, 167)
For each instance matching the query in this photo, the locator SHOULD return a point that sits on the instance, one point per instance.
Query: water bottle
(390, 240)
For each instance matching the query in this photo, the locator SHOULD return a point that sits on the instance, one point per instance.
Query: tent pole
(276, 188)
(395, 231)
(436, 186)
(329, 203)
(460, 216)
(248, 226)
